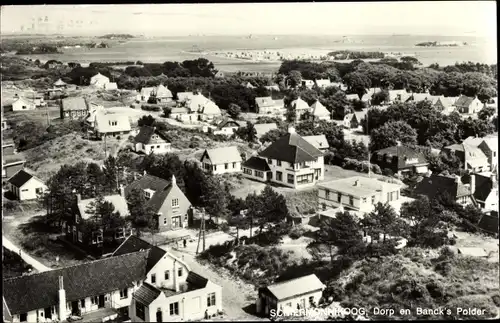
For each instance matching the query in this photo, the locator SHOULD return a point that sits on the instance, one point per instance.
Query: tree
(383, 220)
(272, 135)
(390, 133)
(234, 111)
(110, 172)
(167, 111)
(291, 113)
(194, 179)
(380, 97)
(357, 82)
(343, 231)
(214, 197)
(486, 113)
(247, 133)
(294, 78)
(142, 218)
(148, 120)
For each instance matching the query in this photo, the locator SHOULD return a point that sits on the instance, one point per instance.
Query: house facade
(350, 121)
(74, 108)
(452, 186)
(400, 160)
(99, 80)
(357, 193)
(268, 106)
(226, 128)
(111, 124)
(468, 105)
(24, 186)
(256, 168)
(150, 140)
(129, 274)
(301, 107)
(23, 104)
(292, 295)
(292, 161)
(473, 158)
(222, 160)
(488, 145)
(166, 199)
(320, 112)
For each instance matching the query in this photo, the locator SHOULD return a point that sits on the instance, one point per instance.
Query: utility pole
(202, 231)
(105, 147)
(368, 132)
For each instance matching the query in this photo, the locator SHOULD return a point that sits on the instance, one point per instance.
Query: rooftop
(295, 287)
(359, 186)
(116, 200)
(223, 155)
(291, 148)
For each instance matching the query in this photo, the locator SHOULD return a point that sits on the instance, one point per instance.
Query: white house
(99, 80)
(226, 128)
(301, 107)
(468, 105)
(24, 186)
(206, 109)
(320, 112)
(141, 281)
(145, 94)
(150, 140)
(357, 193)
(110, 86)
(319, 142)
(111, 124)
(221, 160)
(266, 105)
(291, 295)
(23, 104)
(308, 83)
(292, 161)
(323, 83)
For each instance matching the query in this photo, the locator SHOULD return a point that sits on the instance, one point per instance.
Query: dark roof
(291, 148)
(20, 178)
(227, 123)
(145, 133)
(464, 101)
(489, 223)
(27, 293)
(74, 103)
(146, 294)
(257, 164)
(430, 186)
(196, 281)
(483, 185)
(402, 153)
(154, 255)
(159, 185)
(132, 244)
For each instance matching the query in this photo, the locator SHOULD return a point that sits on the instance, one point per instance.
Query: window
(327, 194)
(124, 293)
(290, 179)
(214, 167)
(323, 206)
(247, 171)
(234, 165)
(39, 190)
(179, 272)
(311, 299)
(165, 221)
(278, 162)
(373, 199)
(153, 278)
(147, 195)
(175, 202)
(289, 304)
(226, 166)
(25, 190)
(140, 311)
(364, 199)
(211, 299)
(82, 303)
(279, 176)
(24, 316)
(94, 300)
(174, 308)
(69, 228)
(351, 200)
(158, 146)
(167, 274)
(259, 174)
(269, 161)
(339, 197)
(96, 237)
(80, 236)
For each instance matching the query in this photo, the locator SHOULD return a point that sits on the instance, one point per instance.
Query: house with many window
(151, 140)
(111, 124)
(25, 186)
(266, 105)
(433, 185)
(166, 199)
(488, 145)
(292, 295)
(400, 160)
(206, 109)
(472, 157)
(484, 188)
(292, 161)
(74, 108)
(358, 193)
(223, 160)
(138, 282)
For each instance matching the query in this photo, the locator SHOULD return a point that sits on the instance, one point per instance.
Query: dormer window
(113, 123)
(148, 193)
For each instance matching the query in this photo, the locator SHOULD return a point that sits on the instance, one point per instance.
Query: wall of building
(251, 173)
(228, 131)
(232, 167)
(22, 106)
(160, 148)
(293, 302)
(167, 211)
(363, 204)
(286, 169)
(28, 190)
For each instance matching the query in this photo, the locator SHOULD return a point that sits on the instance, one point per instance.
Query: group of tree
(200, 67)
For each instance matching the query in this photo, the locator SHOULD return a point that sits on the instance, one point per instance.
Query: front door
(47, 313)
(74, 308)
(176, 222)
(101, 301)
(159, 316)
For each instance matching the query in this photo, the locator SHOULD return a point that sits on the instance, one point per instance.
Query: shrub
(387, 172)
(297, 232)
(147, 107)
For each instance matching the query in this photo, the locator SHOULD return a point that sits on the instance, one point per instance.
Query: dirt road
(27, 258)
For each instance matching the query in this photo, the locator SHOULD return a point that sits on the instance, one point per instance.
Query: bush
(387, 172)
(147, 107)
(297, 232)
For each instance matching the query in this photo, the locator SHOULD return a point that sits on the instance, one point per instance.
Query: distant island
(441, 44)
(347, 54)
(116, 36)
(41, 49)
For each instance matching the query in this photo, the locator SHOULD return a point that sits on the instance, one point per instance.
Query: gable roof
(223, 155)
(323, 82)
(265, 101)
(24, 100)
(447, 101)
(116, 200)
(147, 294)
(30, 292)
(103, 122)
(489, 223)
(59, 82)
(291, 148)
(162, 92)
(483, 186)
(161, 187)
(184, 95)
(131, 244)
(145, 134)
(99, 76)
(359, 186)
(402, 153)
(74, 104)
(20, 178)
(430, 186)
(350, 116)
(491, 141)
(146, 91)
(262, 128)
(295, 287)
(471, 151)
(300, 104)
(257, 163)
(352, 97)
(464, 101)
(318, 141)
(228, 123)
(319, 110)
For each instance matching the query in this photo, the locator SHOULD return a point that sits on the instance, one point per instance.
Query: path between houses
(26, 257)
(236, 294)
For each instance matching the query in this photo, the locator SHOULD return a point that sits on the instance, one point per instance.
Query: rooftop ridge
(78, 265)
(291, 280)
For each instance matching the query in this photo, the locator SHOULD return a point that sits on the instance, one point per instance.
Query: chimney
(62, 301)
(78, 198)
(122, 190)
(291, 129)
(174, 181)
(472, 183)
(356, 182)
(176, 278)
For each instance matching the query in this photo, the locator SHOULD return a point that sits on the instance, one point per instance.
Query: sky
(446, 18)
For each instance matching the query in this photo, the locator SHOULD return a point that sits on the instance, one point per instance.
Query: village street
(27, 258)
